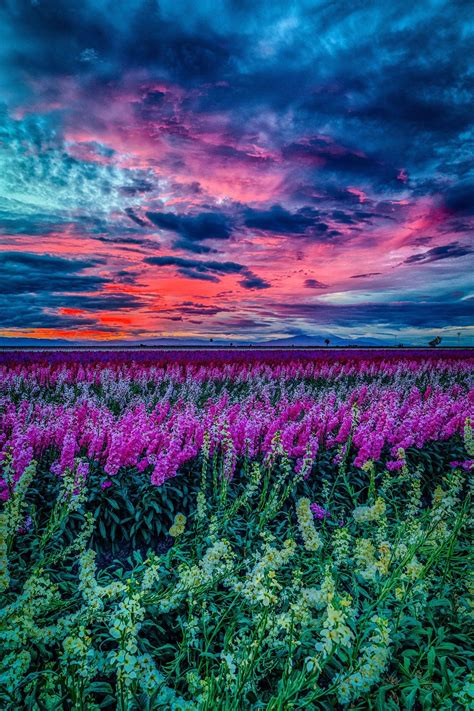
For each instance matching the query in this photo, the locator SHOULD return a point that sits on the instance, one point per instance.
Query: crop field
(236, 530)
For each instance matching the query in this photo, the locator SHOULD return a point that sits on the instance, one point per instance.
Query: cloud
(30, 312)
(199, 275)
(395, 315)
(42, 291)
(315, 284)
(446, 251)
(197, 265)
(281, 221)
(227, 153)
(135, 218)
(332, 158)
(100, 302)
(365, 276)
(24, 273)
(209, 270)
(57, 39)
(42, 179)
(252, 281)
(193, 247)
(18, 219)
(193, 228)
(459, 199)
(188, 308)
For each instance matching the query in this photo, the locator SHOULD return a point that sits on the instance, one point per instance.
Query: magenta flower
(162, 408)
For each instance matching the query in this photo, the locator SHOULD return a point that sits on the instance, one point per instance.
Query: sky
(236, 169)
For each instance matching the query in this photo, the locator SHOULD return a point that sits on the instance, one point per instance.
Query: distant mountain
(291, 341)
(150, 343)
(320, 341)
(179, 342)
(34, 342)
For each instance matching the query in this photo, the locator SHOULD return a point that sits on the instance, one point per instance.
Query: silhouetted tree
(435, 342)
(327, 341)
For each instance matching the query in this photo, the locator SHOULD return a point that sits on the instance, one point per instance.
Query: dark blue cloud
(197, 265)
(22, 273)
(194, 228)
(315, 284)
(210, 270)
(252, 281)
(279, 220)
(194, 247)
(365, 276)
(29, 311)
(134, 217)
(35, 288)
(445, 251)
(93, 39)
(337, 160)
(459, 199)
(429, 315)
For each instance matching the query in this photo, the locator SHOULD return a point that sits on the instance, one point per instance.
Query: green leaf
(431, 657)
(99, 687)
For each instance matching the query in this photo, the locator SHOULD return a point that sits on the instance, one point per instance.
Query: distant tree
(435, 342)
(327, 341)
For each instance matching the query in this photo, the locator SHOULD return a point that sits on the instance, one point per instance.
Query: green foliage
(251, 603)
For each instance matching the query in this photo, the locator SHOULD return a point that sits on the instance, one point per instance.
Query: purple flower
(105, 484)
(319, 512)
(467, 465)
(27, 524)
(395, 464)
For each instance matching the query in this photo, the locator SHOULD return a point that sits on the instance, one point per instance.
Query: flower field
(236, 530)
